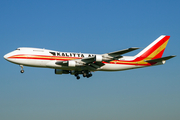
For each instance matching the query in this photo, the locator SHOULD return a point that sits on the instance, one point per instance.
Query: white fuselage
(36, 57)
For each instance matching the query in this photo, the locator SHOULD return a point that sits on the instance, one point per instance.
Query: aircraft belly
(19, 61)
(115, 67)
(29, 62)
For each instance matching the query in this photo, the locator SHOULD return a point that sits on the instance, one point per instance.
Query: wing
(110, 56)
(120, 52)
(95, 62)
(88, 63)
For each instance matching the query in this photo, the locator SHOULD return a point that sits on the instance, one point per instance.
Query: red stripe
(60, 58)
(130, 63)
(42, 57)
(153, 48)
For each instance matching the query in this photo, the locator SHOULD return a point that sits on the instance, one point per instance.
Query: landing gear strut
(22, 71)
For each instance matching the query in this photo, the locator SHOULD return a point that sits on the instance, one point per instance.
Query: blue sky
(89, 27)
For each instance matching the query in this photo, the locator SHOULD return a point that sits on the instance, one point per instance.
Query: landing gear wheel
(78, 77)
(90, 75)
(22, 71)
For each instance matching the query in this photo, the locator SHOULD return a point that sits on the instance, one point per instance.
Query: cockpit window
(17, 49)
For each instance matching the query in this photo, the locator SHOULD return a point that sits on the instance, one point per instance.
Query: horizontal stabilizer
(160, 59)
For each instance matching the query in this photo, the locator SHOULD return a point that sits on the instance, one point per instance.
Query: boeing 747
(81, 63)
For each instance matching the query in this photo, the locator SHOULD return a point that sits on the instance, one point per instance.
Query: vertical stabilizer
(155, 49)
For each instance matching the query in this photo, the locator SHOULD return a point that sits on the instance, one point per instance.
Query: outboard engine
(98, 58)
(71, 63)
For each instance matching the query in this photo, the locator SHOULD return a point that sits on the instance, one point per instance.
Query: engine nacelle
(98, 58)
(71, 63)
(59, 71)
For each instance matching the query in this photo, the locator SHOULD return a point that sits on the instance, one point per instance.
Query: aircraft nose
(6, 56)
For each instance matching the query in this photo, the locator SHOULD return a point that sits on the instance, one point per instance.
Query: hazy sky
(89, 26)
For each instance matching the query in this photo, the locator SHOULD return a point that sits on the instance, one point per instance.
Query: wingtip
(173, 56)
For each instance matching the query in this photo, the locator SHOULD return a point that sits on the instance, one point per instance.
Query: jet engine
(59, 71)
(71, 63)
(98, 58)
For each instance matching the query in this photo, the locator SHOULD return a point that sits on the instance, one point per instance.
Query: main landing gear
(22, 71)
(84, 73)
(77, 76)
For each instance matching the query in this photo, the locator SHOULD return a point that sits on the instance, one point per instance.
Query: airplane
(81, 63)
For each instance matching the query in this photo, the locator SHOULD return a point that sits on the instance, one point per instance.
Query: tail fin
(155, 49)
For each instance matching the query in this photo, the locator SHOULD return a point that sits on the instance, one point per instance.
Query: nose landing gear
(22, 71)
